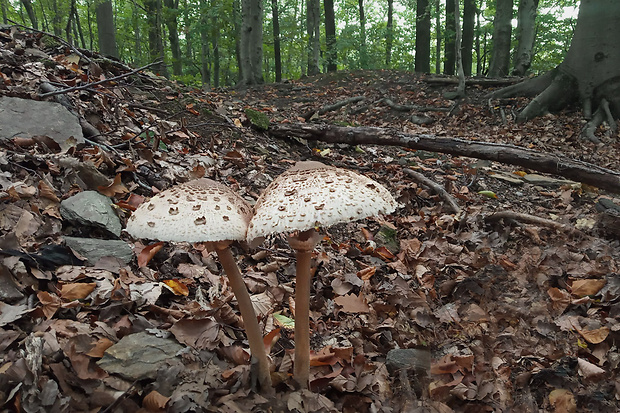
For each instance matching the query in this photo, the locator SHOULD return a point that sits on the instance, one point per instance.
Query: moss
(258, 119)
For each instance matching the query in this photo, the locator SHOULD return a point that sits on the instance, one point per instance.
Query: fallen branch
(409, 108)
(435, 187)
(509, 154)
(531, 219)
(332, 107)
(89, 85)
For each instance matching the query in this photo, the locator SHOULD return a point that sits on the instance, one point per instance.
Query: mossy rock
(258, 119)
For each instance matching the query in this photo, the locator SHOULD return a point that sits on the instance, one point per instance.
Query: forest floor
(516, 312)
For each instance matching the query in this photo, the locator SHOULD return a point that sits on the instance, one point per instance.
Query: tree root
(602, 114)
(332, 107)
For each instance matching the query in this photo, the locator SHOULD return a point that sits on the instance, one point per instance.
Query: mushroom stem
(303, 244)
(252, 330)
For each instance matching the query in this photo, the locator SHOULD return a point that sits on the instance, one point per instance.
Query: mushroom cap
(312, 194)
(201, 210)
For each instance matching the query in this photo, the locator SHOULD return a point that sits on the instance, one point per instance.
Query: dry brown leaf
(352, 303)
(148, 253)
(50, 303)
(560, 298)
(582, 288)
(595, 336)
(562, 401)
(155, 401)
(177, 287)
(47, 192)
(76, 291)
(100, 347)
(115, 188)
(588, 370)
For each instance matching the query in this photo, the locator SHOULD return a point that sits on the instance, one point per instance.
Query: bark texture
(423, 37)
(105, 29)
(526, 33)
(502, 28)
(467, 46)
(509, 154)
(251, 45)
(450, 39)
(313, 19)
(590, 72)
(331, 55)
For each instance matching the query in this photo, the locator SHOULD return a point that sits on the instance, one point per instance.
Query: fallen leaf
(100, 347)
(588, 370)
(155, 401)
(562, 401)
(148, 253)
(284, 321)
(352, 303)
(115, 188)
(76, 291)
(582, 288)
(177, 287)
(595, 336)
(50, 303)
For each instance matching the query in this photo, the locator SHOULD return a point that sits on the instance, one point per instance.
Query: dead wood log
(509, 154)
(451, 203)
(333, 107)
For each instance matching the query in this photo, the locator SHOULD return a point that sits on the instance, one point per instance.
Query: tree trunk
(277, 54)
(156, 44)
(31, 14)
(57, 19)
(331, 52)
(437, 37)
(363, 49)
(449, 36)
(467, 45)
(389, 34)
(70, 38)
(589, 73)
(5, 15)
(423, 37)
(526, 33)
(172, 11)
(502, 28)
(251, 47)
(105, 29)
(313, 19)
(236, 7)
(215, 46)
(460, 91)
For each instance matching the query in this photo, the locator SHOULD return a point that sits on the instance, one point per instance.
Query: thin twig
(89, 85)
(60, 39)
(434, 186)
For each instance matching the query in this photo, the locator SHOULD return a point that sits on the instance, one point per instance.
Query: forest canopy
(199, 41)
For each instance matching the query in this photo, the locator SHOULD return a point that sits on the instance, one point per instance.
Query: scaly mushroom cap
(197, 211)
(312, 194)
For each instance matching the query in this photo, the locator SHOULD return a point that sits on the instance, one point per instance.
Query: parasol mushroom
(308, 195)
(203, 210)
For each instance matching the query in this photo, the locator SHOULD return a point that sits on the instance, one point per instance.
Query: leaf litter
(516, 316)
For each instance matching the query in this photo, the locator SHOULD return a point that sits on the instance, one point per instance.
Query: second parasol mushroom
(309, 195)
(206, 211)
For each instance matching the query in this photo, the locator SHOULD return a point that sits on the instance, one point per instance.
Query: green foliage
(206, 24)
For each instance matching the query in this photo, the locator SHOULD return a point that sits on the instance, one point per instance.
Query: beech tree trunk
(363, 50)
(590, 72)
(277, 54)
(467, 45)
(31, 14)
(449, 36)
(251, 45)
(502, 28)
(313, 19)
(526, 33)
(389, 34)
(172, 11)
(156, 43)
(423, 37)
(105, 29)
(331, 54)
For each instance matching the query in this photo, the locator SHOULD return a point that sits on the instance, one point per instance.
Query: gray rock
(408, 358)
(8, 288)
(138, 356)
(512, 179)
(90, 208)
(27, 118)
(94, 249)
